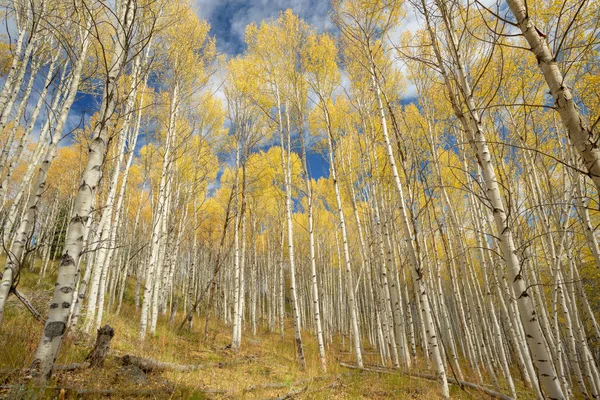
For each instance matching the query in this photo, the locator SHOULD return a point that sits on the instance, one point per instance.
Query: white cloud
(410, 23)
(230, 18)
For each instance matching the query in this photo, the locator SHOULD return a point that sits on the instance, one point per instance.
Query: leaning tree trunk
(15, 85)
(109, 223)
(57, 108)
(106, 225)
(10, 138)
(14, 67)
(60, 306)
(471, 123)
(581, 136)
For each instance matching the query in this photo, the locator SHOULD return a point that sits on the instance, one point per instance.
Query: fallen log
(71, 367)
(429, 377)
(150, 365)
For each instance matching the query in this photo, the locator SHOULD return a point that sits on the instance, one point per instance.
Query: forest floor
(265, 367)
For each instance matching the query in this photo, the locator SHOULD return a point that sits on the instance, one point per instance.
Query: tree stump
(100, 350)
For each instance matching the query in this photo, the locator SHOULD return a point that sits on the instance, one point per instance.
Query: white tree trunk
(582, 138)
(349, 279)
(418, 277)
(157, 227)
(56, 324)
(24, 231)
(237, 320)
(14, 159)
(287, 170)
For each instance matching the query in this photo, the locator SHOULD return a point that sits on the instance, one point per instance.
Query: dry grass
(264, 360)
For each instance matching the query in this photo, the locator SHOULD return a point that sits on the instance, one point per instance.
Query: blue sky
(228, 20)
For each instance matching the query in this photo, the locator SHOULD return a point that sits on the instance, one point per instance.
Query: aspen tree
(360, 27)
(329, 129)
(23, 233)
(189, 69)
(580, 134)
(30, 26)
(449, 176)
(258, 39)
(55, 326)
(248, 129)
(471, 123)
(322, 76)
(14, 159)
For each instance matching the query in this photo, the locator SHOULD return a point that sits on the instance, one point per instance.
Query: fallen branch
(124, 393)
(279, 385)
(429, 377)
(290, 394)
(276, 385)
(36, 314)
(215, 391)
(296, 392)
(104, 392)
(332, 385)
(66, 367)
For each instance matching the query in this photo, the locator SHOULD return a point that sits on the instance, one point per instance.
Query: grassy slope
(263, 359)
